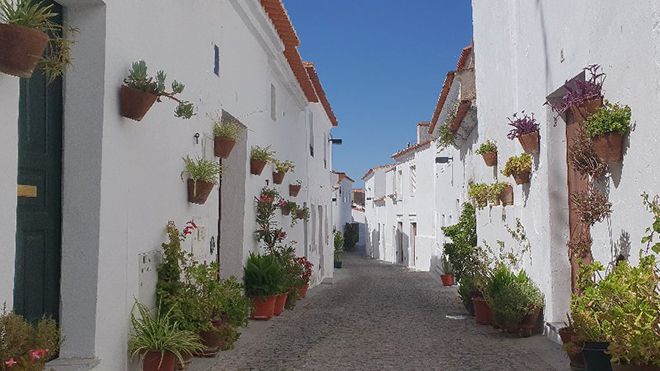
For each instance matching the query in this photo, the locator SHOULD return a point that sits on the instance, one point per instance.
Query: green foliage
(467, 290)
(139, 79)
(201, 169)
(495, 190)
(479, 193)
(159, 332)
(652, 205)
(461, 250)
(610, 118)
(487, 147)
(263, 275)
(302, 213)
(518, 164)
(339, 245)
(233, 304)
(18, 338)
(283, 166)
(589, 305)
(228, 129)
(261, 153)
(446, 265)
(511, 296)
(446, 137)
(351, 235)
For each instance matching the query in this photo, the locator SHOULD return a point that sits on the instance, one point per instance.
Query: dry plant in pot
(526, 129)
(202, 175)
(140, 91)
(606, 128)
(591, 205)
(294, 189)
(281, 168)
(27, 29)
(225, 135)
(259, 157)
(488, 150)
(519, 167)
(583, 157)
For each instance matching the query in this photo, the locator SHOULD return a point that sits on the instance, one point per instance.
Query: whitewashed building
(110, 184)
(342, 201)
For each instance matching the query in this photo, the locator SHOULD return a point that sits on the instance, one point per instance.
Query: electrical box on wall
(148, 276)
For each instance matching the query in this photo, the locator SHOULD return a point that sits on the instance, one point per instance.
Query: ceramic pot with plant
(280, 301)
(140, 91)
(519, 167)
(202, 176)
(302, 213)
(27, 29)
(478, 193)
(607, 128)
(482, 313)
(225, 135)
(306, 275)
(287, 207)
(294, 189)
(281, 168)
(339, 249)
(572, 346)
(488, 150)
(259, 157)
(526, 129)
(158, 338)
(447, 276)
(500, 192)
(263, 275)
(582, 97)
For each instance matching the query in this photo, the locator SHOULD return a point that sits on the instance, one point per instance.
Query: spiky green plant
(263, 275)
(201, 169)
(284, 166)
(261, 153)
(228, 129)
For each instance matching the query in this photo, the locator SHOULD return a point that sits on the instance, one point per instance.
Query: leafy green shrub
(284, 166)
(487, 147)
(446, 137)
(261, 153)
(610, 118)
(479, 192)
(227, 129)
(202, 170)
(511, 296)
(463, 235)
(518, 164)
(234, 305)
(653, 205)
(21, 341)
(495, 190)
(339, 245)
(263, 275)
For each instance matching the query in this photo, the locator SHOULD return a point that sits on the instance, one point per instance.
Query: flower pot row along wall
(498, 193)
(261, 156)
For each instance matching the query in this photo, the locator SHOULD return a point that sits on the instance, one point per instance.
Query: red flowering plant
(24, 346)
(268, 231)
(522, 125)
(307, 269)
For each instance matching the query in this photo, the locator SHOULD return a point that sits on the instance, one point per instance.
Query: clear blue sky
(382, 64)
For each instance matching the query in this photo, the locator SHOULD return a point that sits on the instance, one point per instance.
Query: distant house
(342, 200)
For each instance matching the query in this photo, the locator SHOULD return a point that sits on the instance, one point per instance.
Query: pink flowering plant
(581, 92)
(307, 269)
(24, 346)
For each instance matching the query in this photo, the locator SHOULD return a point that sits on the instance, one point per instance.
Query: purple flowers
(522, 125)
(582, 92)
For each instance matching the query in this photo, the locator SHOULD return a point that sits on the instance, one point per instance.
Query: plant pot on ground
(488, 150)
(202, 175)
(294, 189)
(280, 300)
(482, 312)
(263, 275)
(226, 132)
(302, 291)
(596, 357)
(572, 347)
(140, 91)
(306, 275)
(519, 167)
(259, 157)
(447, 276)
(339, 248)
(526, 129)
(607, 128)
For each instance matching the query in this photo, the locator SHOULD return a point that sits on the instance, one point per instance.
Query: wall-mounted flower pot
(285, 210)
(257, 166)
(278, 177)
(483, 314)
(21, 49)
(506, 197)
(300, 214)
(223, 146)
(530, 142)
(302, 292)
(521, 178)
(595, 357)
(280, 301)
(447, 279)
(338, 264)
(608, 147)
(135, 103)
(199, 191)
(153, 359)
(490, 158)
(294, 189)
(263, 308)
(586, 109)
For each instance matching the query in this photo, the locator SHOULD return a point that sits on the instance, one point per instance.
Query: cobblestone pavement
(378, 316)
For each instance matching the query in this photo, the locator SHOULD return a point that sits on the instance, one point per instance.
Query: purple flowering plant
(524, 124)
(582, 92)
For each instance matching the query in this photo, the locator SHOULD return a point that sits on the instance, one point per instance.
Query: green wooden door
(39, 211)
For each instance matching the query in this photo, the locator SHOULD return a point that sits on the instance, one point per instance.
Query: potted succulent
(306, 275)
(447, 276)
(478, 192)
(263, 282)
(606, 127)
(202, 175)
(583, 98)
(281, 168)
(519, 167)
(225, 135)
(488, 150)
(160, 340)
(500, 192)
(339, 249)
(294, 189)
(27, 28)
(140, 91)
(526, 129)
(259, 157)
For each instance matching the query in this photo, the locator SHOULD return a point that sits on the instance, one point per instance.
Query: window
(311, 134)
(273, 103)
(399, 182)
(413, 179)
(325, 150)
(216, 60)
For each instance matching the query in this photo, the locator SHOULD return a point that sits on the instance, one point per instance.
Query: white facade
(121, 179)
(342, 201)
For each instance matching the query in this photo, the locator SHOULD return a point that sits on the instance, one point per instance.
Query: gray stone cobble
(379, 316)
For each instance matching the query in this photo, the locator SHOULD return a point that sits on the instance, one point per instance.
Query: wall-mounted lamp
(443, 160)
(335, 141)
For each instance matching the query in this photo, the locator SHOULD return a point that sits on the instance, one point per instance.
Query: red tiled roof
(410, 149)
(373, 169)
(463, 109)
(423, 123)
(463, 58)
(318, 88)
(449, 79)
(342, 175)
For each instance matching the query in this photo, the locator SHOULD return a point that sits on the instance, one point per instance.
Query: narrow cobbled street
(380, 316)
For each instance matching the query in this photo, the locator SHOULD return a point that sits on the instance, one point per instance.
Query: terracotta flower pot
(608, 147)
(223, 146)
(199, 191)
(294, 189)
(285, 210)
(211, 341)
(521, 178)
(482, 312)
(506, 197)
(187, 360)
(530, 142)
(566, 334)
(586, 109)
(528, 326)
(280, 301)
(263, 308)
(257, 166)
(447, 279)
(135, 103)
(278, 177)
(302, 292)
(595, 357)
(490, 158)
(21, 49)
(300, 214)
(157, 361)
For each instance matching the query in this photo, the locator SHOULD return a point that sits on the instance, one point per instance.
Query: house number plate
(23, 190)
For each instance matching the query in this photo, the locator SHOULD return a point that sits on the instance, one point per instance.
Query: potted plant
(281, 168)
(306, 275)
(27, 28)
(294, 189)
(339, 249)
(447, 276)
(606, 127)
(302, 213)
(572, 345)
(520, 167)
(263, 282)
(225, 134)
(202, 175)
(160, 340)
(259, 157)
(488, 150)
(140, 91)
(26, 346)
(526, 129)
(500, 192)
(583, 97)
(287, 207)
(478, 192)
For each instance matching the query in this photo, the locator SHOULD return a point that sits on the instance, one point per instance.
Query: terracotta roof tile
(411, 149)
(449, 79)
(463, 109)
(318, 88)
(373, 169)
(463, 58)
(342, 175)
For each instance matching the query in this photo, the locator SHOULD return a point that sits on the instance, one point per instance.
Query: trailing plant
(284, 166)
(463, 237)
(583, 157)
(33, 14)
(518, 164)
(24, 346)
(522, 125)
(139, 79)
(479, 193)
(202, 170)
(488, 146)
(610, 118)
(228, 129)
(446, 137)
(263, 275)
(591, 205)
(495, 190)
(339, 245)
(261, 153)
(652, 205)
(582, 92)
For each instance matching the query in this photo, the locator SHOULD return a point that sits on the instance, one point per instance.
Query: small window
(273, 103)
(413, 179)
(311, 134)
(216, 60)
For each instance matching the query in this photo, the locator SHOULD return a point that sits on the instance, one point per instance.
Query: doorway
(400, 258)
(413, 237)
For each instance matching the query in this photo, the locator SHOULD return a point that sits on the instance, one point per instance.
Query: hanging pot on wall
(223, 146)
(263, 308)
(521, 178)
(135, 103)
(506, 197)
(278, 177)
(294, 189)
(609, 147)
(490, 158)
(530, 142)
(199, 191)
(21, 49)
(257, 166)
(153, 359)
(586, 109)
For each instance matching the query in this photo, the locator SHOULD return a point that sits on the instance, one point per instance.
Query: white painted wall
(343, 204)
